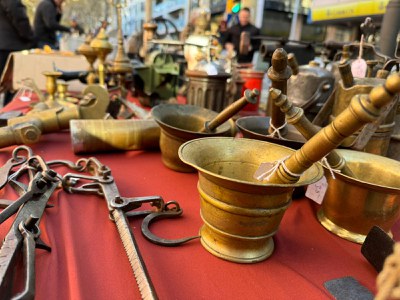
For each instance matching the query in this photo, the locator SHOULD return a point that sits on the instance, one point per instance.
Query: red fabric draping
(88, 260)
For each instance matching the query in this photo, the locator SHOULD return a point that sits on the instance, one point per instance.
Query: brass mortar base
(341, 232)
(352, 206)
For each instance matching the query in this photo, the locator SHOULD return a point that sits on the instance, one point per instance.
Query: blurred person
(47, 23)
(75, 27)
(232, 35)
(16, 33)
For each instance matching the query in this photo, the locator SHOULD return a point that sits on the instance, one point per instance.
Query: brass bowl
(179, 124)
(351, 206)
(240, 213)
(255, 127)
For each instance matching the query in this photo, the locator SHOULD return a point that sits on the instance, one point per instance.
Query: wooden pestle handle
(362, 109)
(250, 96)
(295, 116)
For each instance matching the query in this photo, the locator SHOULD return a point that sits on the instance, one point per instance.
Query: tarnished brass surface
(363, 109)
(256, 127)
(278, 73)
(231, 110)
(207, 91)
(351, 207)
(20, 134)
(296, 117)
(379, 141)
(181, 123)
(102, 47)
(91, 56)
(51, 87)
(240, 213)
(106, 135)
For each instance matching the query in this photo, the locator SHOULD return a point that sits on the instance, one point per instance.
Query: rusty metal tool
(102, 183)
(24, 232)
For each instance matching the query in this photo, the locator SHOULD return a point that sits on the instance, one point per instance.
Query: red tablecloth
(88, 260)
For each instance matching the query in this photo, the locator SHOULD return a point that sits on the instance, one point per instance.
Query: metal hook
(174, 212)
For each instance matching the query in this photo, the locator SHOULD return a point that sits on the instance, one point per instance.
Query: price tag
(317, 190)
(359, 68)
(25, 98)
(263, 170)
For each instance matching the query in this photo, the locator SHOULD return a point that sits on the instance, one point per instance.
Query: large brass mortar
(351, 206)
(256, 127)
(240, 213)
(179, 124)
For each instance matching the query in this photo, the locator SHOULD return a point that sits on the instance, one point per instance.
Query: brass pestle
(295, 116)
(362, 109)
(250, 96)
(278, 73)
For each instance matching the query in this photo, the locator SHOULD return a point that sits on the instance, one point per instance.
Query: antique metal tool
(231, 110)
(106, 135)
(28, 129)
(24, 232)
(102, 183)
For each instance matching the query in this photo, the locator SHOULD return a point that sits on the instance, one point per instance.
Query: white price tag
(25, 98)
(263, 170)
(317, 190)
(359, 68)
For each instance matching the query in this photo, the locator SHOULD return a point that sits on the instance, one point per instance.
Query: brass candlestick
(102, 47)
(121, 64)
(91, 56)
(362, 109)
(51, 87)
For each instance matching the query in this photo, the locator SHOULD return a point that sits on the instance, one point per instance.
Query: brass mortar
(240, 213)
(180, 123)
(351, 206)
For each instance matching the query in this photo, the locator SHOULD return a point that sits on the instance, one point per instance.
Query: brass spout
(295, 116)
(362, 109)
(293, 64)
(278, 73)
(231, 110)
(345, 74)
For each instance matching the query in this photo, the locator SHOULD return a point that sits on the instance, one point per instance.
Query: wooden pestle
(295, 116)
(231, 110)
(362, 109)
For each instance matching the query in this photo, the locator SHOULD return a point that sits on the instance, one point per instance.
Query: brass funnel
(352, 206)
(181, 123)
(240, 213)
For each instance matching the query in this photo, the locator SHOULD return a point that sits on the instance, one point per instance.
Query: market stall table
(88, 260)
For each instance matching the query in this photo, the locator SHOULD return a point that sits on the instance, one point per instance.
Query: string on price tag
(317, 190)
(359, 66)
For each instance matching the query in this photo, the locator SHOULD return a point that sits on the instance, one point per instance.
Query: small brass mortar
(180, 123)
(351, 206)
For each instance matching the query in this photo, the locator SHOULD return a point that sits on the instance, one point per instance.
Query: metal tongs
(102, 183)
(24, 232)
